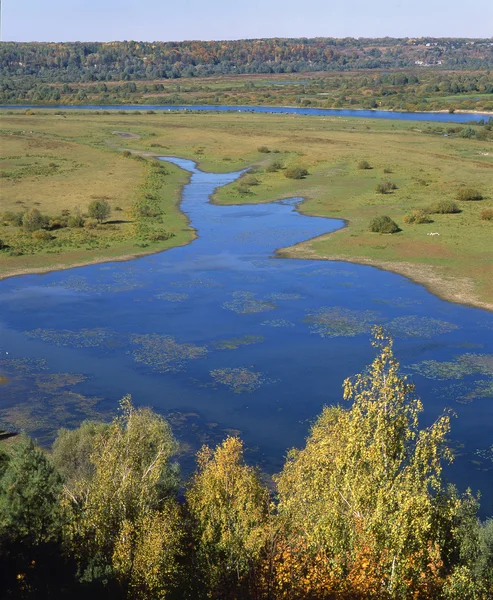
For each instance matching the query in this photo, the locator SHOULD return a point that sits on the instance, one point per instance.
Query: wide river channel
(444, 117)
(222, 336)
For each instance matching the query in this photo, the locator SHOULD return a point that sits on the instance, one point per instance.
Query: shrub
(32, 220)
(469, 194)
(274, 166)
(296, 173)
(385, 187)
(160, 236)
(387, 170)
(364, 165)
(416, 217)
(383, 224)
(243, 189)
(127, 153)
(487, 214)
(249, 180)
(145, 209)
(90, 223)
(14, 218)
(99, 210)
(57, 223)
(75, 221)
(42, 236)
(444, 207)
(263, 149)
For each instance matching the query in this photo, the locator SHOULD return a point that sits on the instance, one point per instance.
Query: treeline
(361, 512)
(130, 60)
(413, 89)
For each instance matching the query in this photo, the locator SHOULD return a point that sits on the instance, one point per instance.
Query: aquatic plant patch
(280, 296)
(466, 392)
(461, 366)
(336, 321)
(239, 379)
(204, 282)
(173, 297)
(84, 338)
(23, 365)
(245, 303)
(235, 343)
(420, 327)
(278, 323)
(164, 354)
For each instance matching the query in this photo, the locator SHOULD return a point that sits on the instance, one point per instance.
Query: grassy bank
(59, 166)
(427, 163)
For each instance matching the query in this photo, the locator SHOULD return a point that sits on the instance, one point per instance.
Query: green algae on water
(173, 297)
(239, 379)
(246, 303)
(84, 338)
(336, 321)
(234, 343)
(163, 353)
(461, 366)
(420, 327)
(278, 323)
(280, 296)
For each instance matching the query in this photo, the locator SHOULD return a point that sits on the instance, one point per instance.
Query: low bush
(42, 236)
(13, 218)
(57, 223)
(90, 224)
(487, 214)
(469, 194)
(383, 224)
(75, 221)
(145, 209)
(387, 170)
(160, 236)
(443, 207)
(263, 149)
(364, 165)
(127, 153)
(274, 166)
(249, 180)
(243, 189)
(385, 187)
(296, 173)
(416, 217)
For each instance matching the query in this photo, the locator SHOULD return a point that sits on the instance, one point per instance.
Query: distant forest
(130, 60)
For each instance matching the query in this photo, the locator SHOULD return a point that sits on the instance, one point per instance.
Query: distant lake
(223, 337)
(333, 112)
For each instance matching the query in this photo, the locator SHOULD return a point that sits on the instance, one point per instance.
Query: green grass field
(425, 165)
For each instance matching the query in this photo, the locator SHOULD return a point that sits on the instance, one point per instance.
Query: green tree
(360, 499)
(30, 522)
(230, 507)
(32, 220)
(72, 451)
(123, 520)
(99, 210)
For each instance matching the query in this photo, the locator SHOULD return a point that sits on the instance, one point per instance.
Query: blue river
(223, 336)
(444, 117)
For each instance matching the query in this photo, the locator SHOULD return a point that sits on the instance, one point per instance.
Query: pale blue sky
(166, 20)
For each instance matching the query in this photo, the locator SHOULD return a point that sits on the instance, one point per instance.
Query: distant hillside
(117, 61)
